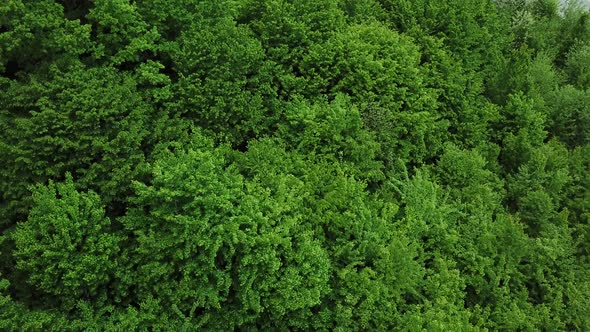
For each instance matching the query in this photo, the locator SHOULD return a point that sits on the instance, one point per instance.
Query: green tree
(569, 116)
(577, 66)
(67, 247)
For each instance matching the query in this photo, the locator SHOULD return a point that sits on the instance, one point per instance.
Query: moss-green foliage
(332, 165)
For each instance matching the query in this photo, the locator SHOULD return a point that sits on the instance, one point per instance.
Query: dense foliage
(343, 165)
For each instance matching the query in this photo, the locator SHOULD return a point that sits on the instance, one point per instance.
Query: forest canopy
(331, 165)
